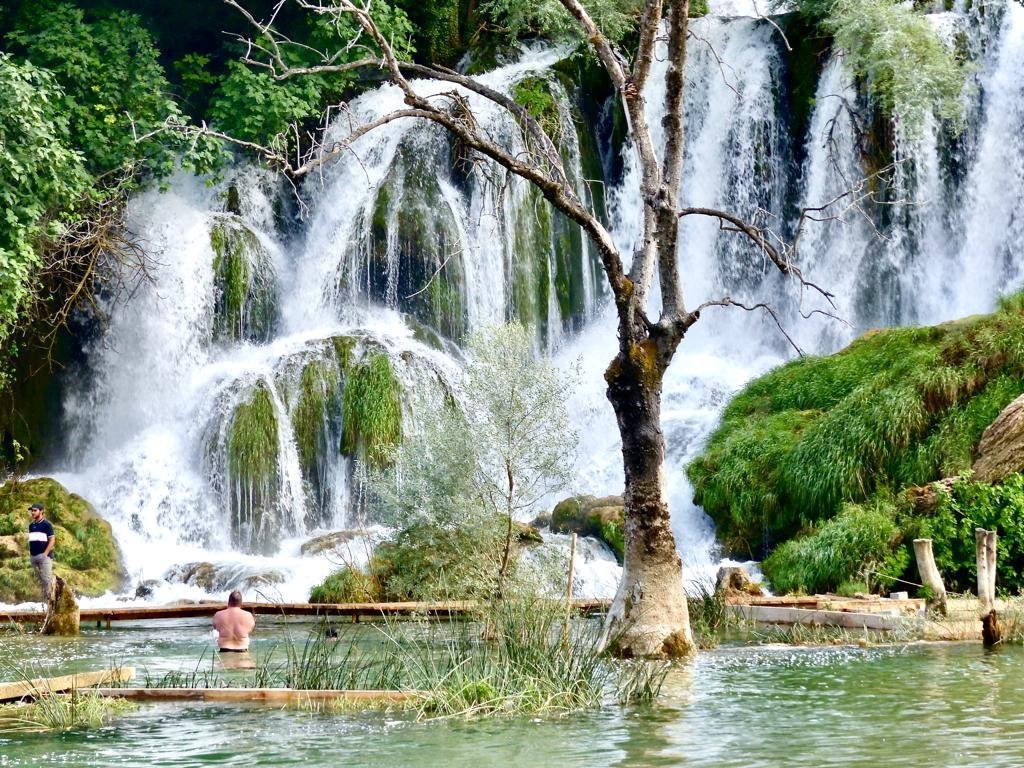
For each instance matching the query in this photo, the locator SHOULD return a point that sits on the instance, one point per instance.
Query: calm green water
(919, 705)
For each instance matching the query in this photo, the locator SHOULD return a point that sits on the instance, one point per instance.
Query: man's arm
(50, 539)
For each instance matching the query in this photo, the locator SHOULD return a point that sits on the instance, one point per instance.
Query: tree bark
(649, 616)
(930, 575)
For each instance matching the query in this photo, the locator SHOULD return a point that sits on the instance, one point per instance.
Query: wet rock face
(86, 556)
(1001, 450)
(329, 542)
(224, 577)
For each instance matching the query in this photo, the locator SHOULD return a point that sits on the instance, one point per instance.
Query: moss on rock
(244, 285)
(898, 407)
(372, 410)
(85, 553)
(600, 518)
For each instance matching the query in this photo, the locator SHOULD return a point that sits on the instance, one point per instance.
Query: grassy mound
(85, 553)
(898, 407)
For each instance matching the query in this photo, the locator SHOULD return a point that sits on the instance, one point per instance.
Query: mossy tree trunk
(649, 616)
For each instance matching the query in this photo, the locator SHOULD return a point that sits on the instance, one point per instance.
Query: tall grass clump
(50, 711)
(898, 407)
(863, 542)
(317, 398)
(372, 411)
(529, 662)
(244, 283)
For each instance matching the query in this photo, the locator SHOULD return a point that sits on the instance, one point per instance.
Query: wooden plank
(834, 603)
(31, 688)
(451, 609)
(257, 695)
(780, 615)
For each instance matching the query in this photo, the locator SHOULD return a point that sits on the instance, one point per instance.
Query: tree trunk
(649, 616)
(930, 575)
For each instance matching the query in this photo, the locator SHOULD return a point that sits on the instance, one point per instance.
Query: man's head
(235, 599)
(37, 511)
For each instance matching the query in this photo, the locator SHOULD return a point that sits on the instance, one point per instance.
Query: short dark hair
(235, 599)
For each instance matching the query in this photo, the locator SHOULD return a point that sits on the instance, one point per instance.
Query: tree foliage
(907, 68)
(469, 474)
(39, 172)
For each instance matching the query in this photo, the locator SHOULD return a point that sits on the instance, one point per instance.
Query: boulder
(86, 556)
(526, 535)
(1001, 450)
(733, 580)
(224, 577)
(146, 588)
(598, 517)
(328, 542)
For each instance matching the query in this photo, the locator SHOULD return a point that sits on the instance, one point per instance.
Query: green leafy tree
(895, 51)
(111, 76)
(477, 470)
(39, 173)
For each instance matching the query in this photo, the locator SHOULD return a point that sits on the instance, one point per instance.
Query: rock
(12, 546)
(145, 588)
(601, 518)
(224, 577)
(86, 556)
(526, 535)
(328, 542)
(734, 580)
(62, 614)
(1001, 450)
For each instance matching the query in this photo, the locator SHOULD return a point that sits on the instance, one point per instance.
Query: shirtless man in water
(233, 626)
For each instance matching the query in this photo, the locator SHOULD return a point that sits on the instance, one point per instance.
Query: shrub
(861, 542)
(347, 585)
(969, 505)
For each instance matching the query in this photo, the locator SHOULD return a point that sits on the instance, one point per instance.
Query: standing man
(233, 625)
(40, 549)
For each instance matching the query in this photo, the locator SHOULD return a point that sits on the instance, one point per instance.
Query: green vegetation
(895, 50)
(969, 505)
(808, 459)
(534, 94)
(348, 585)
(461, 479)
(372, 411)
(519, 657)
(62, 712)
(319, 386)
(252, 448)
(861, 540)
(85, 553)
(243, 282)
(897, 407)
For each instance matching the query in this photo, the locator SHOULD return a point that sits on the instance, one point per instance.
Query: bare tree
(649, 616)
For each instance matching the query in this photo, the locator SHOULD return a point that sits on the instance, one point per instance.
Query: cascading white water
(151, 429)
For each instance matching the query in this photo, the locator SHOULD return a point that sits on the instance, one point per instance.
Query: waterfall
(210, 427)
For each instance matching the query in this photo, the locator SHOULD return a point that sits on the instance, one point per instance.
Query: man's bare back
(233, 626)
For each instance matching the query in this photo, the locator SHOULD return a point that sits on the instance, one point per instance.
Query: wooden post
(985, 556)
(568, 590)
(572, 562)
(930, 575)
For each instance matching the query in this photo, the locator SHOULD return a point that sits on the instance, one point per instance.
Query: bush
(347, 585)
(969, 505)
(429, 562)
(860, 541)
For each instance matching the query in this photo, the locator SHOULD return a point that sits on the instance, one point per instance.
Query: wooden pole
(930, 575)
(572, 563)
(985, 555)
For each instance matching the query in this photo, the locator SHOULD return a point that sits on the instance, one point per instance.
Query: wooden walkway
(440, 610)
